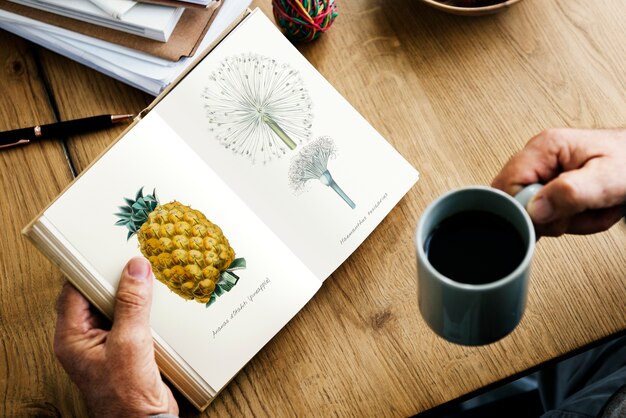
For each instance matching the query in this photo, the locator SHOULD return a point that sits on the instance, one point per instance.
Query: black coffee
(475, 247)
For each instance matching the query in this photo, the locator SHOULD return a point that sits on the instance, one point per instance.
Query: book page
(289, 145)
(215, 340)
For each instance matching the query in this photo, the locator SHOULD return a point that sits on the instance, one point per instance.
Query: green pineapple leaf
(237, 263)
(139, 205)
(139, 217)
(218, 291)
(227, 280)
(211, 301)
(136, 212)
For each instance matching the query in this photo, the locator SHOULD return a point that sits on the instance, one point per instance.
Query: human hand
(115, 369)
(584, 172)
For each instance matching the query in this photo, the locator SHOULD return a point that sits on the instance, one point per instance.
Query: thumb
(572, 192)
(133, 298)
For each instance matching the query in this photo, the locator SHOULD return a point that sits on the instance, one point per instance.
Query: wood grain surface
(456, 96)
(32, 383)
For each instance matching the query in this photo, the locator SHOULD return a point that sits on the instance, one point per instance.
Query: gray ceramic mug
(475, 314)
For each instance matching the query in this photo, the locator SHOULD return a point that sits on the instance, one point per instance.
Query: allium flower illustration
(257, 107)
(311, 164)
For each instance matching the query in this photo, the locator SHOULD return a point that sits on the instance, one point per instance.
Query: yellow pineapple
(189, 254)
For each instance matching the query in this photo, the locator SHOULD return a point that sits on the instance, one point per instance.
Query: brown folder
(183, 42)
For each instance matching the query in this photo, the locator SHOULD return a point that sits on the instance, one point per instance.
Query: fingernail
(540, 209)
(139, 268)
(513, 190)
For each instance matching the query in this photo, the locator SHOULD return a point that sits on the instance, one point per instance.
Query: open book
(246, 184)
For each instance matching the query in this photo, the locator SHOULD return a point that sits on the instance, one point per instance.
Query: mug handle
(524, 196)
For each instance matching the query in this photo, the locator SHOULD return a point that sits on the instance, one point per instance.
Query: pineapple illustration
(189, 254)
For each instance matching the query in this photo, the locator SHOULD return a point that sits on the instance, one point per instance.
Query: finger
(594, 221)
(574, 192)
(553, 229)
(588, 222)
(535, 163)
(171, 401)
(74, 327)
(73, 312)
(579, 146)
(546, 155)
(133, 300)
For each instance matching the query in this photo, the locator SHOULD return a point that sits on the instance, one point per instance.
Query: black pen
(60, 129)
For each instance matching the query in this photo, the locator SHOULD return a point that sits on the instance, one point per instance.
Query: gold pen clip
(16, 143)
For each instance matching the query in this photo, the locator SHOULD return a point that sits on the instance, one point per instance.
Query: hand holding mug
(584, 172)
(472, 284)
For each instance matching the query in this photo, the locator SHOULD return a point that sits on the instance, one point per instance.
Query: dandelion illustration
(311, 164)
(257, 107)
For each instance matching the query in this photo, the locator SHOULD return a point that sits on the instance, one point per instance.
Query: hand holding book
(115, 369)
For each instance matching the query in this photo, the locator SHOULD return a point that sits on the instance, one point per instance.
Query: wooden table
(456, 96)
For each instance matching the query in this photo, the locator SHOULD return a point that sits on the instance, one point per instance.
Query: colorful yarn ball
(304, 20)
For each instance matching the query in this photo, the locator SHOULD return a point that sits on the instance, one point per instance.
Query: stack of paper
(115, 8)
(179, 3)
(148, 20)
(142, 19)
(143, 70)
